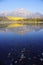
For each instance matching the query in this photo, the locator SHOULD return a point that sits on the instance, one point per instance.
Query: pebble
(15, 62)
(41, 59)
(11, 64)
(29, 58)
(42, 54)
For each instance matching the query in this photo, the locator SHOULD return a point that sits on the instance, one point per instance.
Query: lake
(21, 45)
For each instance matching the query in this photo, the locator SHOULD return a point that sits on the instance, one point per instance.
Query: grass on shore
(14, 18)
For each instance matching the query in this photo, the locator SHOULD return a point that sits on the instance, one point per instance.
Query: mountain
(21, 13)
(37, 15)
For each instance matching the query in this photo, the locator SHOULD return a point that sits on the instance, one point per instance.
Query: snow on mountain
(21, 13)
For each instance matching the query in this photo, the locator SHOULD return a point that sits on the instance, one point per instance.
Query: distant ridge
(21, 13)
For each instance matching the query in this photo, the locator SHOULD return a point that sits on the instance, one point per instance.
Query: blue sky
(30, 5)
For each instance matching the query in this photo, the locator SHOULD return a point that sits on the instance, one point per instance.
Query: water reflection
(17, 49)
(23, 29)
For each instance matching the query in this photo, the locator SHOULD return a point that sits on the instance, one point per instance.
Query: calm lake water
(21, 46)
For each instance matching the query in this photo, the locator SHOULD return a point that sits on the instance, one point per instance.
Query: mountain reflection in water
(17, 49)
(22, 30)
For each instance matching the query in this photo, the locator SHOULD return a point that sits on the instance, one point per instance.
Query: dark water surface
(21, 46)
